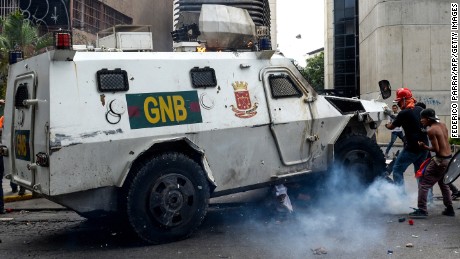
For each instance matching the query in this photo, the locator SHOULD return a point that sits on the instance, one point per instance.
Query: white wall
(329, 44)
(408, 43)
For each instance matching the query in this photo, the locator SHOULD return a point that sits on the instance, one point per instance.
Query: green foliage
(454, 141)
(314, 71)
(18, 34)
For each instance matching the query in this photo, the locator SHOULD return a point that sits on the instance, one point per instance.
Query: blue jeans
(404, 159)
(394, 135)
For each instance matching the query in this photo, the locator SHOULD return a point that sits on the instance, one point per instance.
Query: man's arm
(389, 113)
(433, 134)
(390, 126)
(397, 122)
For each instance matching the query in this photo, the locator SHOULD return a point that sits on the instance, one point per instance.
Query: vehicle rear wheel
(168, 198)
(361, 156)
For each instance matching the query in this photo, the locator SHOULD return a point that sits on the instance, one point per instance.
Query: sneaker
(14, 190)
(449, 211)
(418, 214)
(22, 191)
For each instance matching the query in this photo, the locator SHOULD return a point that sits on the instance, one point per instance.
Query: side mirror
(385, 88)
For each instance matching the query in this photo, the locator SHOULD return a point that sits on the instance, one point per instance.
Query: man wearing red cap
(435, 170)
(409, 119)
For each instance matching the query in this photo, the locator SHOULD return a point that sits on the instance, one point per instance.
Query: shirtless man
(435, 170)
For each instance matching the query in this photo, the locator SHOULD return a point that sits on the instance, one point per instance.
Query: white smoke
(346, 217)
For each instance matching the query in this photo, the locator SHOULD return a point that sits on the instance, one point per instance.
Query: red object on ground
(9, 210)
(411, 222)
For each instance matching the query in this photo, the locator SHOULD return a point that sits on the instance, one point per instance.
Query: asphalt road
(344, 223)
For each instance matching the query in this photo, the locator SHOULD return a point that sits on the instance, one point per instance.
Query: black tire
(361, 156)
(168, 199)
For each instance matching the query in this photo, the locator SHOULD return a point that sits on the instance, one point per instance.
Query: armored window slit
(203, 77)
(22, 93)
(112, 80)
(282, 86)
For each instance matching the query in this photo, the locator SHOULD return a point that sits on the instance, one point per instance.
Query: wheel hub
(358, 161)
(173, 200)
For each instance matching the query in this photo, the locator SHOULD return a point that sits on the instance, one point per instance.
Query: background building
(158, 14)
(342, 47)
(91, 16)
(404, 41)
(313, 53)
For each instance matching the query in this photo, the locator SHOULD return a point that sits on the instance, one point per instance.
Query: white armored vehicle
(153, 136)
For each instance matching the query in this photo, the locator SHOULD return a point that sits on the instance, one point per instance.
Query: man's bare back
(438, 135)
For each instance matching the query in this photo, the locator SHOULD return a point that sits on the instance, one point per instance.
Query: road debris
(319, 251)
(283, 198)
(401, 219)
(411, 222)
(390, 252)
(409, 245)
(414, 236)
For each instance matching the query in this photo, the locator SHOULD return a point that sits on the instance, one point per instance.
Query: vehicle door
(23, 129)
(290, 116)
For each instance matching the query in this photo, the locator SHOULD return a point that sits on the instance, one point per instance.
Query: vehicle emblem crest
(244, 108)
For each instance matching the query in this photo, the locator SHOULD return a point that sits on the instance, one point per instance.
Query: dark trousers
(453, 188)
(404, 159)
(394, 135)
(434, 173)
(14, 187)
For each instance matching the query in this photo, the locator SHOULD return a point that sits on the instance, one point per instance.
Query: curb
(14, 198)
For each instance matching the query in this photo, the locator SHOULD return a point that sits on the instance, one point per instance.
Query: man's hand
(387, 111)
(423, 145)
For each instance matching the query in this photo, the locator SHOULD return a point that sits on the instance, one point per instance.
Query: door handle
(30, 102)
(32, 166)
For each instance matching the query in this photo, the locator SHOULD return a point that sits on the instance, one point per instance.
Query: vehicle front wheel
(168, 198)
(361, 156)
